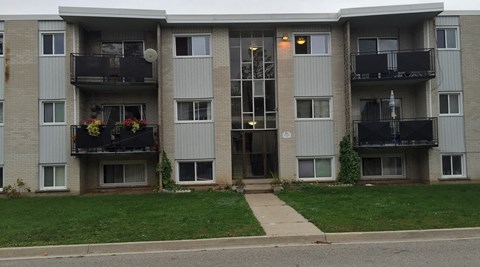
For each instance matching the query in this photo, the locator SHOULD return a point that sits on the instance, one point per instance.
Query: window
(452, 166)
(117, 113)
(53, 44)
(449, 104)
(1, 178)
(53, 177)
(194, 111)
(313, 108)
(196, 171)
(379, 109)
(124, 173)
(1, 44)
(1, 113)
(192, 45)
(312, 44)
(125, 48)
(377, 45)
(53, 112)
(315, 168)
(447, 38)
(384, 166)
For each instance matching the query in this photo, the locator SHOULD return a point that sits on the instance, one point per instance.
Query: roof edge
(390, 10)
(30, 17)
(67, 11)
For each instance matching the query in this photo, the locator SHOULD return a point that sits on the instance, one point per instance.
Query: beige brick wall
(21, 102)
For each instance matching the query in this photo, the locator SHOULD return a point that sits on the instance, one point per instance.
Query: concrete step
(257, 188)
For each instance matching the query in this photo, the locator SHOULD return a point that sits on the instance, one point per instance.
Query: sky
(220, 6)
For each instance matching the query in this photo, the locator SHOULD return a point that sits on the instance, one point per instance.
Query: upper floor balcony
(406, 133)
(116, 70)
(416, 64)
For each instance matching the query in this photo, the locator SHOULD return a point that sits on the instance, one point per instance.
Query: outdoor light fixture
(285, 37)
(253, 48)
(301, 40)
(252, 123)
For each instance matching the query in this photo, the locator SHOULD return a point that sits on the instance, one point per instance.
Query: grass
(386, 208)
(104, 219)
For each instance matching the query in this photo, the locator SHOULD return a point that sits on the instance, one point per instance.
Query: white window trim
(460, 104)
(313, 33)
(42, 180)
(64, 44)
(193, 121)
(3, 51)
(453, 176)
(330, 106)
(42, 112)
(332, 165)
(123, 44)
(382, 176)
(457, 36)
(177, 169)
(122, 162)
(192, 35)
(378, 41)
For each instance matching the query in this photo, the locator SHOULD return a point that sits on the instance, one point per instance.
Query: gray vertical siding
(315, 138)
(52, 77)
(451, 133)
(53, 144)
(51, 25)
(447, 21)
(2, 27)
(313, 75)
(192, 77)
(2, 76)
(195, 140)
(449, 70)
(1, 145)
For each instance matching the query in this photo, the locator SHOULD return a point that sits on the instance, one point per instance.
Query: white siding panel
(195, 140)
(315, 138)
(1, 145)
(2, 77)
(52, 77)
(447, 21)
(51, 25)
(451, 134)
(449, 71)
(313, 75)
(53, 144)
(192, 77)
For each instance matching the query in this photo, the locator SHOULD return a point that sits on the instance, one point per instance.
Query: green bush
(349, 162)
(165, 170)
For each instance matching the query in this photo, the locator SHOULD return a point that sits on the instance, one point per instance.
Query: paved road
(464, 252)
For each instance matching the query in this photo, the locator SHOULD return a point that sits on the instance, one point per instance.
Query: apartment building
(226, 96)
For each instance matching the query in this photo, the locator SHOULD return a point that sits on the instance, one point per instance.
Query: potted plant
(276, 183)
(93, 126)
(240, 184)
(92, 133)
(134, 124)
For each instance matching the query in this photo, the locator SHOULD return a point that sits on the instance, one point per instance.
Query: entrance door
(254, 154)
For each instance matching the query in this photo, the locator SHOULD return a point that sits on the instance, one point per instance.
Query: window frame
(208, 35)
(177, 169)
(42, 34)
(457, 37)
(312, 99)
(2, 47)
(42, 177)
(42, 112)
(332, 170)
(2, 180)
(460, 103)
(329, 43)
(143, 108)
(378, 43)
(2, 116)
(123, 46)
(193, 101)
(123, 163)
(383, 176)
(463, 165)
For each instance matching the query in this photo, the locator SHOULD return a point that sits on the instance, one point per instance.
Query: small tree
(349, 162)
(165, 170)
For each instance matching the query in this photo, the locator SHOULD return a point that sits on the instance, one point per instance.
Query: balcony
(406, 133)
(114, 140)
(394, 65)
(116, 70)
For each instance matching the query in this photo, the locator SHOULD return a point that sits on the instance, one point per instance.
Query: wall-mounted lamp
(253, 48)
(285, 37)
(301, 40)
(252, 123)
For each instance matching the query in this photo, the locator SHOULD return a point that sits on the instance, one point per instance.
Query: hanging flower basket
(134, 124)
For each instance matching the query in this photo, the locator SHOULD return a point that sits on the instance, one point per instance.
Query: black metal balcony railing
(394, 65)
(114, 139)
(111, 69)
(396, 133)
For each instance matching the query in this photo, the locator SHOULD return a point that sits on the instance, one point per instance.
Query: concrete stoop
(257, 186)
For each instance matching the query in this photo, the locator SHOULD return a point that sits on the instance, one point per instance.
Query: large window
(125, 48)
(377, 45)
(124, 173)
(195, 171)
(53, 177)
(53, 112)
(382, 166)
(1, 178)
(1, 113)
(117, 113)
(447, 38)
(194, 110)
(379, 109)
(312, 44)
(1, 43)
(313, 108)
(53, 44)
(450, 104)
(197, 45)
(320, 168)
(453, 166)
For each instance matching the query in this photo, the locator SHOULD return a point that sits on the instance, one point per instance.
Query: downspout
(430, 110)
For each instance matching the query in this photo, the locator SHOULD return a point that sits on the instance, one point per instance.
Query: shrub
(165, 170)
(15, 190)
(349, 162)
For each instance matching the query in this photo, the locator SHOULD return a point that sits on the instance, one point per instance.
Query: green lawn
(99, 219)
(384, 208)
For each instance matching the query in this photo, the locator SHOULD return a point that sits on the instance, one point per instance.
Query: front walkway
(277, 218)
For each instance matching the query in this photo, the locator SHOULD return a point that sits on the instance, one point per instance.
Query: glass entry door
(254, 154)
